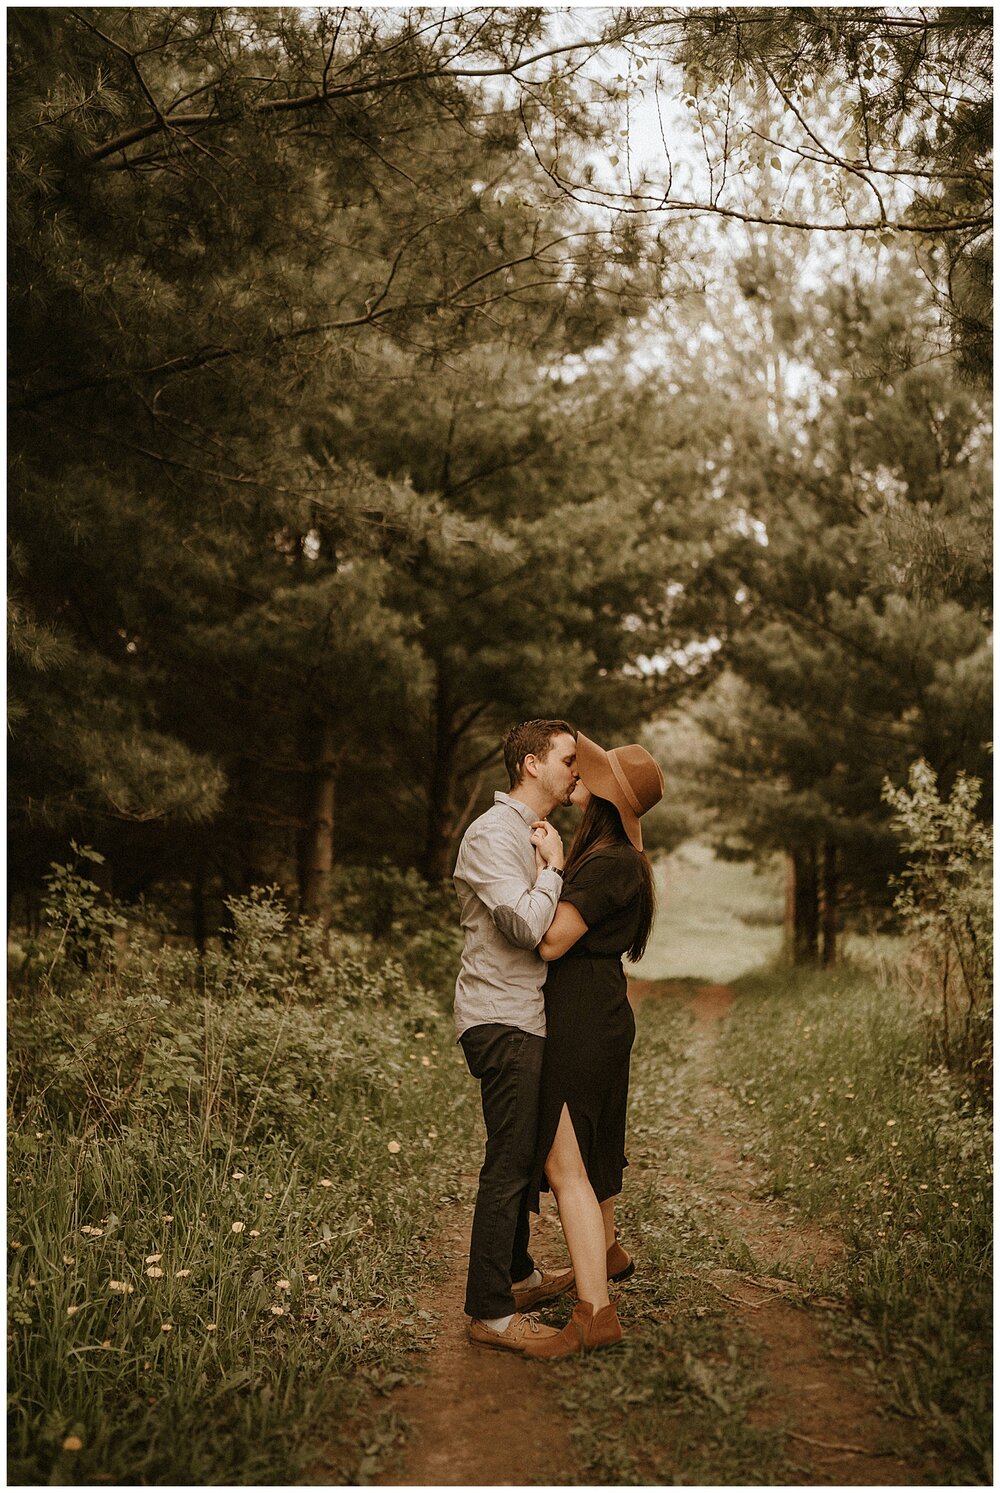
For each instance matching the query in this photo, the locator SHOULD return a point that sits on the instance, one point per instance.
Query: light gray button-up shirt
(505, 912)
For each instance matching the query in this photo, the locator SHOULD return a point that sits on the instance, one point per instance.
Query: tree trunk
(789, 925)
(441, 797)
(830, 894)
(806, 907)
(318, 858)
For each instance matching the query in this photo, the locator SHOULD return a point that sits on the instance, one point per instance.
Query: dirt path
(481, 1418)
(837, 1432)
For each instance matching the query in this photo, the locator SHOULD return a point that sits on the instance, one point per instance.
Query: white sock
(534, 1279)
(498, 1324)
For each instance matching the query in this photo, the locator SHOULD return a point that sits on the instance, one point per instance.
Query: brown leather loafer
(585, 1331)
(552, 1284)
(519, 1332)
(620, 1264)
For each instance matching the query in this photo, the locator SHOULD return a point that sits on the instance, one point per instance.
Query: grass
(855, 1128)
(821, 1080)
(224, 1181)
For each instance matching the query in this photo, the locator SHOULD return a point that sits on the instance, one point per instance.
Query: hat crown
(639, 773)
(627, 777)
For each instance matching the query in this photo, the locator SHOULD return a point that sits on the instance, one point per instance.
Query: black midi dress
(589, 1024)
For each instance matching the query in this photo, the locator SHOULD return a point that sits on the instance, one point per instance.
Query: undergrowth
(861, 1131)
(224, 1176)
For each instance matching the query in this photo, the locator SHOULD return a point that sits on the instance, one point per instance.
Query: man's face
(557, 773)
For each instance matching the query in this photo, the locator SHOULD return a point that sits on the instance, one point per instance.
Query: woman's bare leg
(608, 1215)
(579, 1213)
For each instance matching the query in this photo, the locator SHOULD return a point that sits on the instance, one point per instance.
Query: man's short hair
(530, 739)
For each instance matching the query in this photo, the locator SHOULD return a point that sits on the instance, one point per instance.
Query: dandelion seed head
(394, 1148)
(71, 1311)
(254, 1234)
(237, 1228)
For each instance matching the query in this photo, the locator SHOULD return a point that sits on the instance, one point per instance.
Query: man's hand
(548, 844)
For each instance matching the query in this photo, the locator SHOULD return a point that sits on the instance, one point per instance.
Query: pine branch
(374, 312)
(323, 95)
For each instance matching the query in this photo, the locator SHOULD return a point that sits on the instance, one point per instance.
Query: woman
(606, 910)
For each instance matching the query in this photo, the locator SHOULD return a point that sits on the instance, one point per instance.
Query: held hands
(548, 845)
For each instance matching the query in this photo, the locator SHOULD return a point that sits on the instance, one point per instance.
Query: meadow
(227, 1176)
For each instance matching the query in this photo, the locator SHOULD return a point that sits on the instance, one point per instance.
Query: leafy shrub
(84, 921)
(945, 902)
(419, 917)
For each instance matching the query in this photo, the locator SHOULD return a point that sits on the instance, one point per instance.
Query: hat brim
(598, 777)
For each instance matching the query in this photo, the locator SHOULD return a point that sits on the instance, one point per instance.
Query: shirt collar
(526, 812)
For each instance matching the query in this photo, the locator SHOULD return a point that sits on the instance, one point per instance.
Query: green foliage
(858, 1131)
(400, 908)
(862, 634)
(224, 1176)
(882, 119)
(945, 900)
(75, 909)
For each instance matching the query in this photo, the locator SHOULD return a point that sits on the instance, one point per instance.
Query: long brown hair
(600, 827)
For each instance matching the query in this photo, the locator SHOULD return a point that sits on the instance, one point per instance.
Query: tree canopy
(375, 381)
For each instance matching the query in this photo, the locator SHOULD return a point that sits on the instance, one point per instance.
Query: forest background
(382, 378)
(378, 378)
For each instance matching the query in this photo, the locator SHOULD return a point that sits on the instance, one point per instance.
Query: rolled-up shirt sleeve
(492, 866)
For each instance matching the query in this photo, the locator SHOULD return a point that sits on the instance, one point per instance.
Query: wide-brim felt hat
(626, 776)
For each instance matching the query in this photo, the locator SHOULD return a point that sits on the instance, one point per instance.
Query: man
(506, 907)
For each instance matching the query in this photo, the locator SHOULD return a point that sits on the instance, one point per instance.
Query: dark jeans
(508, 1064)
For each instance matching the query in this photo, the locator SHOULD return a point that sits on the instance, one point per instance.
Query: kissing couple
(542, 1015)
